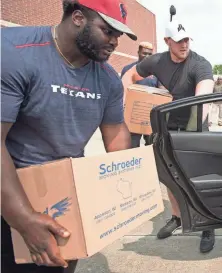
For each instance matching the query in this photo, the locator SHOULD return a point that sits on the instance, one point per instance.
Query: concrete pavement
(141, 252)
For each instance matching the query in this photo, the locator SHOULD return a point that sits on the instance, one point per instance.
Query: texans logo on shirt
(123, 10)
(75, 91)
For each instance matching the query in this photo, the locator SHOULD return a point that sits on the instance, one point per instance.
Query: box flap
(148, 89)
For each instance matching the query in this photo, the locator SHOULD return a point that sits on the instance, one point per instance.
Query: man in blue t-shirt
(145, 49)
(56, 90)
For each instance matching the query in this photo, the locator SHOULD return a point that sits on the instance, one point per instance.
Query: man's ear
(166, 41)
(78, 18)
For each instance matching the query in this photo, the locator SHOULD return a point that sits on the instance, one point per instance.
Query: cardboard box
(98, 199)
(139, 102)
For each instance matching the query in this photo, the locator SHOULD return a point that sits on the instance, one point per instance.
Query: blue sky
(201, 18)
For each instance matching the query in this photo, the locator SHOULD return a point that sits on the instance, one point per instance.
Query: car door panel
(202, 150)
(209, 142)
(193, 162)
(207, 182)
(199, 155)
(209, 187)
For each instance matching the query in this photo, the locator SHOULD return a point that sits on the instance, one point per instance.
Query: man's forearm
(15, 204)
(204, 87)
(121, 142)
(116, 137)
(129, 78)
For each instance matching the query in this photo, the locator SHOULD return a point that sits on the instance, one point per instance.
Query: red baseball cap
(113, 12)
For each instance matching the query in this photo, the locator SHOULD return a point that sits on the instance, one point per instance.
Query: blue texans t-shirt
(54, 108)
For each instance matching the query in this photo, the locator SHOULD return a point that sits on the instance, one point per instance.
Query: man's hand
(116, 137)
(40, 233)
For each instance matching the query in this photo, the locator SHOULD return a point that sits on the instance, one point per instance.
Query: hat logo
(123, 10)
(180, 27)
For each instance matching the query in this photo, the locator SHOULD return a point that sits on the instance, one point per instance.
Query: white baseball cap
(176, 31)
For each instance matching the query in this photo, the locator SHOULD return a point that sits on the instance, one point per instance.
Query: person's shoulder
(16, 43)
(23, 37)
(108, 73)
(199, 67)
(163, 55)
(195, 58)
(158, 58)
(128, 66)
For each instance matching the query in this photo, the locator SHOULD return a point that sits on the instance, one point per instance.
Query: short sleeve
(113, 113)
(126, 68)
(159, 83)
(13, 81)
(202, 71)
(123, 72)
(148, 66)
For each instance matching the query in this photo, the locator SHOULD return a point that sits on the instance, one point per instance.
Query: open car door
(189, 162)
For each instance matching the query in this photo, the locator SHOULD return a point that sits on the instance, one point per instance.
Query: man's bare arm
(129, 78)
(116, 137)
(202, 88)
(14, 201)
(38, 230)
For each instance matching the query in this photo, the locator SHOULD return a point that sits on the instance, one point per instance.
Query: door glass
(197, 118)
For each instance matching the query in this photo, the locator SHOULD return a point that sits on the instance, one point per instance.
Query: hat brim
(118, 26)
(180, 36)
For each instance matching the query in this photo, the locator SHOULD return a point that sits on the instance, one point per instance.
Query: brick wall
(32, 12)
(143, 23)
(40, 12)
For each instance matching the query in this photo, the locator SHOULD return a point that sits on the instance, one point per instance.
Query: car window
(192, 119)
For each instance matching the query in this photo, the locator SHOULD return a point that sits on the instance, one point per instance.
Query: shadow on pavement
(96, 264)
(176, 248)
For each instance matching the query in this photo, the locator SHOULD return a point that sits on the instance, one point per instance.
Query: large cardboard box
(139, 102)
(98, 199)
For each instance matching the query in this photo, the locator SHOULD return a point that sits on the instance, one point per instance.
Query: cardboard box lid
(148, 89)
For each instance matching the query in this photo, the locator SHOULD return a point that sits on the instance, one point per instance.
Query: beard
(89, 45)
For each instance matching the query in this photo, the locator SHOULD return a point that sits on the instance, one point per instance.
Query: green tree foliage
(217, 69)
